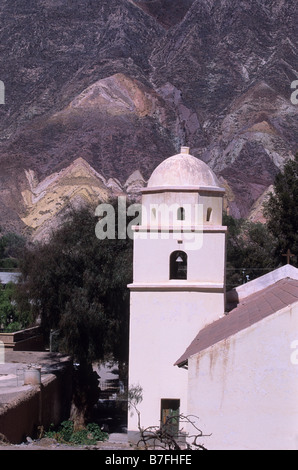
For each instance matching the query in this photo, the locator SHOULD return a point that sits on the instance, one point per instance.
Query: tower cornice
(185, 189)
(179, 228)
(184, 286)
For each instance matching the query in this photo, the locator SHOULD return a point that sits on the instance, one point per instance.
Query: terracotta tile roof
(251, 310)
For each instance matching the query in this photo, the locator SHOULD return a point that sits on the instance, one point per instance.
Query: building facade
(243, 368)
(178, 280)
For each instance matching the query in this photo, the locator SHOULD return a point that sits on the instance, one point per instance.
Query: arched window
(209, 212)
(178, 265)
(181, 213)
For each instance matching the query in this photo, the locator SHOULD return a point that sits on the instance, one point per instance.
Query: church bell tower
(178, 280)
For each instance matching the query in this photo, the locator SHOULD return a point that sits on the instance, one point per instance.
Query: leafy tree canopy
(281, 210)
(11, 318)
(77, 284)
(11, 246)
(250, 251)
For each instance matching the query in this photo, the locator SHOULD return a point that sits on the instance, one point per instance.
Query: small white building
(239, 370)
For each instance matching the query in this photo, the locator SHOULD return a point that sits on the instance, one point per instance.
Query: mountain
(167, 12)
(46, 201)
(107, 89)
(233, 64)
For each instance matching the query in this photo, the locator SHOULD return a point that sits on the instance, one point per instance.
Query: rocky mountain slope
(99, 92)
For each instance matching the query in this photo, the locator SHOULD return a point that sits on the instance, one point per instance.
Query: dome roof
(182, 171)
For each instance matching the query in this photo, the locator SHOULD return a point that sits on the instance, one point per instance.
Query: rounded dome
(183, 170)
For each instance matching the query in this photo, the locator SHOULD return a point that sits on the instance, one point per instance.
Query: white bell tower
(179, 280)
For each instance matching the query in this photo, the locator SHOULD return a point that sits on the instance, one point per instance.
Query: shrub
(66, 434)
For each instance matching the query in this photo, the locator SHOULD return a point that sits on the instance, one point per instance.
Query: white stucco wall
(244, 389)
(206, 263)
(195, 203)
(162, 326)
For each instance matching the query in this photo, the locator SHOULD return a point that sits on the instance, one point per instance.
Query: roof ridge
(256, 285)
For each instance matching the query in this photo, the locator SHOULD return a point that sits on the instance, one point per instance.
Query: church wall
(165, 205)
(244, 389)
(163, 324)
(195, 203)
(209, 201)
(206, 256)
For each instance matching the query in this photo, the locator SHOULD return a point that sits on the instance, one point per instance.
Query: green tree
(76, 284)
(11, 246)
(11, 318)
(281, 210)
(250, 250)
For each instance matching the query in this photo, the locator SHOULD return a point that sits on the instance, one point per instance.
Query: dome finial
(184, 150)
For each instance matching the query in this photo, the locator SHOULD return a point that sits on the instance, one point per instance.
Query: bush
(11, 318)
(66, 434)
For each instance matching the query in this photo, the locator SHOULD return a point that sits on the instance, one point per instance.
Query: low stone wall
(39, 406)
(29, 339)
